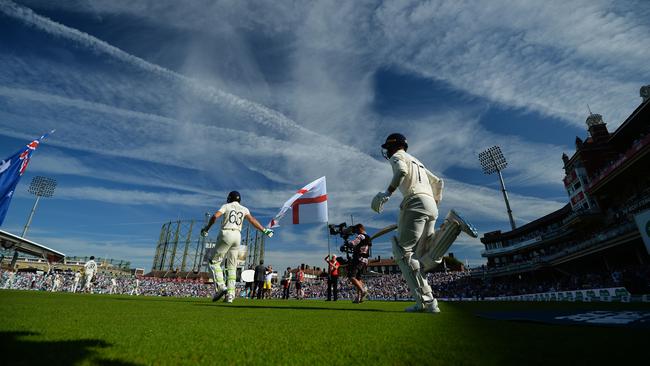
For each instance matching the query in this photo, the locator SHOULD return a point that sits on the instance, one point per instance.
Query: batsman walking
(418, 248)
(228, 243)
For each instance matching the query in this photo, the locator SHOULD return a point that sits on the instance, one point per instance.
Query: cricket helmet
(233, 196)
(394, 141)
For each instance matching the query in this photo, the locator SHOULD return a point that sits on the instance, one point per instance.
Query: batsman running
(418, 248)
(228, 243)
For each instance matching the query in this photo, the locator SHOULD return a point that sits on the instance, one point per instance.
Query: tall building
(607, 180)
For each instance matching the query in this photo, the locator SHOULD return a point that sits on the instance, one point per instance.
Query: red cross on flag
(308, 205)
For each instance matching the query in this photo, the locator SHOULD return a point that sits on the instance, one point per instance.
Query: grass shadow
(16, 350)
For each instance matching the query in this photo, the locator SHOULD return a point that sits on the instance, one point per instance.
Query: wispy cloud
(123, 250)
(240, 125)
(552, 56)
(255, 112)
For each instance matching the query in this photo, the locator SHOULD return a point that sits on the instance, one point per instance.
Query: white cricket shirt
(233, 216)
(417, 178)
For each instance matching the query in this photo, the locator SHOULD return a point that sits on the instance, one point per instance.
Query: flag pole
(327, 232)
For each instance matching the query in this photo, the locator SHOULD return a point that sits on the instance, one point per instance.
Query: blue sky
(162, 107)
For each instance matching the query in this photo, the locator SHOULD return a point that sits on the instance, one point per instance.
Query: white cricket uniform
(416, 224)
(56, 282)
(227, 248)
(421, 189)
(136, 288)
(113, 285)
(75, 283)
(89, 272)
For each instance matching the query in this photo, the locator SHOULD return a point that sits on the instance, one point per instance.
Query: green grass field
(76, 329)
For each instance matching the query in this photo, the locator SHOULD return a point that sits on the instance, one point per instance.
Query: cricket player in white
(113, 286)
(136, 287)
(228, 243)
(89, 272)
(75, 283)
(418, 248)
(56, 282)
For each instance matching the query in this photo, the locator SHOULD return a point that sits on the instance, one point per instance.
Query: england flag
(308, 205)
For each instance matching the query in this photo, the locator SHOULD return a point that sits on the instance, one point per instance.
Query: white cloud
(137, 249)
(552, 56)
(122, 250)
(549, 57)
(133, 197)
(485, 204)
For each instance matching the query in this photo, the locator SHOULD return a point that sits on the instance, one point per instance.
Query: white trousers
(417, 220)
(88, 282)
(227, 250)
(419, 247)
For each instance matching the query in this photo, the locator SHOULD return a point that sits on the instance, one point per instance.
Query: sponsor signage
(643, 223)
(613, 294)
(627, 319)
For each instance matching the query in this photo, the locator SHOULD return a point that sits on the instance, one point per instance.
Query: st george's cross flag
(11, 169)
(308, 205)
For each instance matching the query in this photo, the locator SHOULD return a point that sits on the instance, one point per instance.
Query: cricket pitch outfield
(77, 329)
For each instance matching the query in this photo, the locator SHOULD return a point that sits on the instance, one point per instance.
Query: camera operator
(360, 252)
(332, 277)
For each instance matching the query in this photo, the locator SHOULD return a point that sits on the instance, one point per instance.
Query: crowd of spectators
(453, 284)
(103, 284)
(635, 278)
(619, 220)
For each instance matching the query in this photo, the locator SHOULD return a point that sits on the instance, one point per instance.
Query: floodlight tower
(493, 161)
(40, 187)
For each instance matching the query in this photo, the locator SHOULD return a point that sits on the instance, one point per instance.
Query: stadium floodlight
(492, 161)
(39, 187)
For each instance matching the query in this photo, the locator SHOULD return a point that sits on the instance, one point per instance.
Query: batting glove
(204, 232)
(379, 200)
(268, 232)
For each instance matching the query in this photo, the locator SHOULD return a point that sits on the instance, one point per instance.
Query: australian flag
(11, 169)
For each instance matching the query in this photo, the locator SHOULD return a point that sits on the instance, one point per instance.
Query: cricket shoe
(229, 299)
(431, 307)
(219, 294)
(465, 226)
(427, 307)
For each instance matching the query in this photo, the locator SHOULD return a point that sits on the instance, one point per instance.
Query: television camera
(344, 231)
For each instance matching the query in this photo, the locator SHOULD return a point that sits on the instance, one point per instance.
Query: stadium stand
(595, 234)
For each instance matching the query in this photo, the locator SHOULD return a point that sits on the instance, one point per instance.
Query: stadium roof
(9, 240)
(524, 229)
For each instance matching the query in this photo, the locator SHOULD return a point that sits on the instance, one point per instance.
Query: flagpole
(327, 232)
